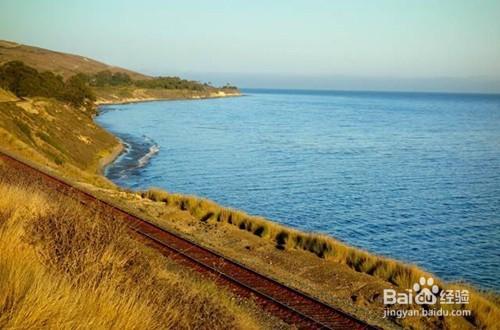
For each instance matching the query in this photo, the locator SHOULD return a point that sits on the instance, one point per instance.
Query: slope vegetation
(55, 134)
(64, 266)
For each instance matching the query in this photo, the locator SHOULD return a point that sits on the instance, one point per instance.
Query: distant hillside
(29, 71)
(64, 64)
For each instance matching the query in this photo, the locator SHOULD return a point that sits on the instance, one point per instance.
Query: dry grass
(57, 136)
(63, 266)
(485, 310)
(6, 96)
(57, 62)
(286, 238)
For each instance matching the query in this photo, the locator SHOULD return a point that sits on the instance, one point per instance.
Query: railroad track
(290, 305)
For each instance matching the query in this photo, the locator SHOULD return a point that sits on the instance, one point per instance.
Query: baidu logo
(427, 291)
(424, 292)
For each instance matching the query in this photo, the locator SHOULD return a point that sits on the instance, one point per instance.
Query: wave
(153, 150)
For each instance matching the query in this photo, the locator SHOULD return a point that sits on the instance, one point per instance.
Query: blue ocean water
(411, 176)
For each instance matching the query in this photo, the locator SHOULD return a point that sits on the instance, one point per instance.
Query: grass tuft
(486, 314)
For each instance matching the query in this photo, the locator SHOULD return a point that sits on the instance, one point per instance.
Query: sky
(415, 45)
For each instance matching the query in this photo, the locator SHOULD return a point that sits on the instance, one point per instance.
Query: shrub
(107, 78)
(76, 91)
(170, 83)
(25, 81)
(20, 79)
(485, 313)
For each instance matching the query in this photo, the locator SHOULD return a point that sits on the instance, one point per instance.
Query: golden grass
(485, 311)
(286, 238)
(63, 266)
(6, 96)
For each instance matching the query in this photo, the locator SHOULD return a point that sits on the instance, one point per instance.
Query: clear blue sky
(408, 44)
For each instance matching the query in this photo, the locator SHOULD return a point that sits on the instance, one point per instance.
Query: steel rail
(289, 304)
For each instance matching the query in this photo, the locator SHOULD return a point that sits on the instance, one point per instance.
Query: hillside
(63, 64)
(64, 266)
(109, 84)
(57, 135)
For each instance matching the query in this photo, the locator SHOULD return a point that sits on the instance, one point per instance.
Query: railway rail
(290, 305)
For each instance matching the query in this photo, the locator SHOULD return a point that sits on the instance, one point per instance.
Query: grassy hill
(64, 266)
(63, 64)
(57, 135)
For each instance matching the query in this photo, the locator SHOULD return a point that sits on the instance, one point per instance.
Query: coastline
(107, 160)
(119, 149)
(129, 100)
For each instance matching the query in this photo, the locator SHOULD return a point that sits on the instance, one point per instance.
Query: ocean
(413, 176)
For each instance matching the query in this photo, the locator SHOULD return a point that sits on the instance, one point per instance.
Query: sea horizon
(366, 91)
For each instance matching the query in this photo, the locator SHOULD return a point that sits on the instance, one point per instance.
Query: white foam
(154, 149)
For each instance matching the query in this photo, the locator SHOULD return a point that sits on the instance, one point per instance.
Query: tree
(19, 78)
(77, 92)
(25, 81)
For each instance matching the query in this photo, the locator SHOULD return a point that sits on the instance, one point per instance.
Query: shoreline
(131, 100)
(109, 159)
(119, 149)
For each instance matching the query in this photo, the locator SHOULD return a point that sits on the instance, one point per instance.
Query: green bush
(107, 78)
(77, 91)
(170, 83)
(25, 81)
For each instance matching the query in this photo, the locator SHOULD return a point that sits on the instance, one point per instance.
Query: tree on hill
(20, 79)
(77, 91)
(25, 81)
(107, 78)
